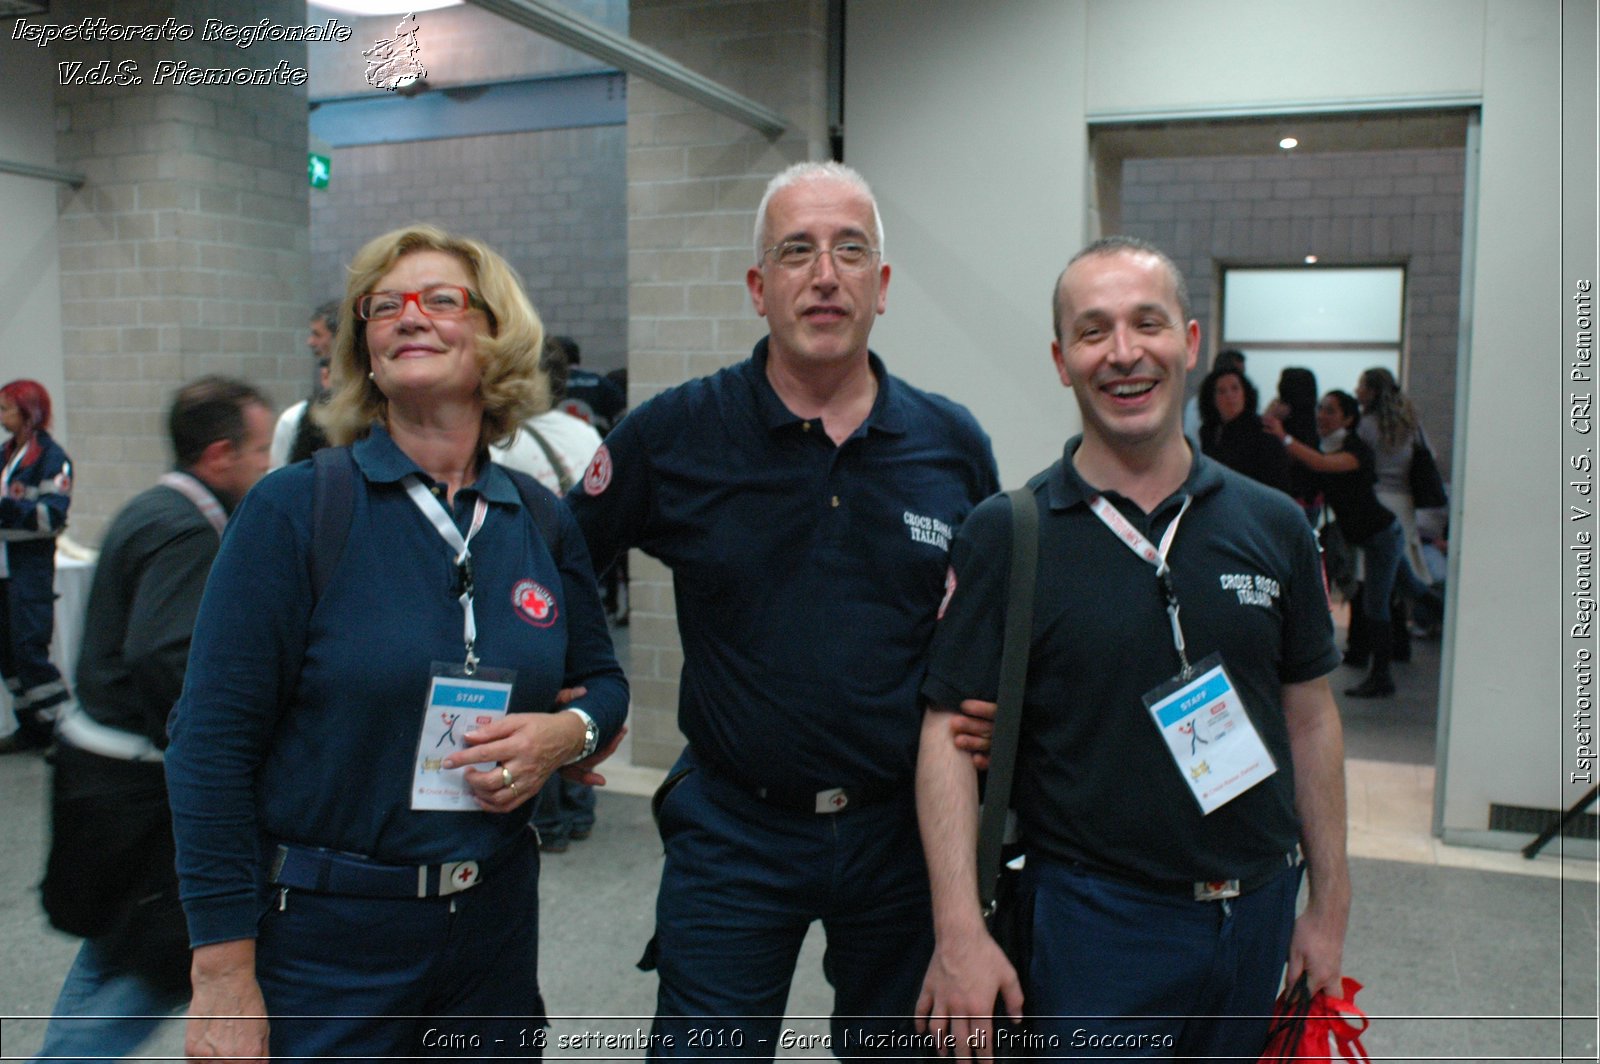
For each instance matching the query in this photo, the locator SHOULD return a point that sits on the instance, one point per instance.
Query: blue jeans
(457, 976)
(742, 884)
(1386, 568)
(1119, 970)
(105, 1011)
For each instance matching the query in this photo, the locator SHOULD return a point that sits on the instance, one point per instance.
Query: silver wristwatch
(591, 734)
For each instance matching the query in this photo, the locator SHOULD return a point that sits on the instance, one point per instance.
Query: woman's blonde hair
(513, 386)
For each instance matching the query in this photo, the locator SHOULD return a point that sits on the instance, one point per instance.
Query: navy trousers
(27, 609)
(742, 884)
(563, 809)
(1119, 970)
(456, 976)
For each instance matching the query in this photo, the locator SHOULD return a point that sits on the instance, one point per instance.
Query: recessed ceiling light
(1288, 142)
(1310, 259)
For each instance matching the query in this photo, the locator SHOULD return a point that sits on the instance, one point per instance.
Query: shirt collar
(887, 413)
(1068, 489)
(382, 461)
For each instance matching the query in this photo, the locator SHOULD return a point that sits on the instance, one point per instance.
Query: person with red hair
(35, 491)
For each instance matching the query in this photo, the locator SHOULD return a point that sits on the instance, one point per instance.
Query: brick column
(187, 250)
(694, 179)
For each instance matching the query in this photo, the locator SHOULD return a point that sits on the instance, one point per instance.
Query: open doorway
(1248, 208)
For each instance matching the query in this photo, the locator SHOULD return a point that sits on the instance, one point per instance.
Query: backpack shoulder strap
(1015, 648)
(333, 500)
(541, 503)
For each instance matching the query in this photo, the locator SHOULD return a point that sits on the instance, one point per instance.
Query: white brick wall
(186, 251)
(694, 179)
(1351, 209)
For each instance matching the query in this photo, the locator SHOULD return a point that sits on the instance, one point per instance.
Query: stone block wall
(186, 250)
(552, 202)
(694, 180)
(1351, 209)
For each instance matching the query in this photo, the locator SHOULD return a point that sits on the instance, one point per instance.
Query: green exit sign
(318, 168)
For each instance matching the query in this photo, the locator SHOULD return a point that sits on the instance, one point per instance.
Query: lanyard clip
(1168, 592)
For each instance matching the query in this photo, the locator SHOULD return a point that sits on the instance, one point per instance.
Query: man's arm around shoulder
(968, 971)
(1316, 743)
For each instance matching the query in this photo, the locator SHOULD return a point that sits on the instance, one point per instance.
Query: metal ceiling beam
(559, 24)
(48, 173)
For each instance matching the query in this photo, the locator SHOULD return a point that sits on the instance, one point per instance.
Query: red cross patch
(598, 477)
(534, 603)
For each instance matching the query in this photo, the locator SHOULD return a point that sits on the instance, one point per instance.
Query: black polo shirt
(1095, 782)
(807, 575)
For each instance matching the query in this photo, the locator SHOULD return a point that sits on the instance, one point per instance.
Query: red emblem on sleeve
(534, 603)
(598, 477)
(949, 590)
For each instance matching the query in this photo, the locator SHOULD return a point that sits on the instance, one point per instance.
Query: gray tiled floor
(1459, 965)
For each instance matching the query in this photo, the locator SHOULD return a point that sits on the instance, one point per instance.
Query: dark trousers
(1120, 970)
(742, 884)
(27, 608)
(456, 976)
(563, 809)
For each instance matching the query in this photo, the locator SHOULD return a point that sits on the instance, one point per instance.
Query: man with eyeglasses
(805, 501)
(297, 435)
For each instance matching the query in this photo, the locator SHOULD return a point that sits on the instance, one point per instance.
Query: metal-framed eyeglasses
(850, 256)
(435, 301)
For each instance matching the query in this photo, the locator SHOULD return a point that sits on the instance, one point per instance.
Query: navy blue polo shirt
(807, 575)
(300, 716)
(1095, 782)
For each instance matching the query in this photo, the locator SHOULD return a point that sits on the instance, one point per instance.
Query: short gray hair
(813, 171)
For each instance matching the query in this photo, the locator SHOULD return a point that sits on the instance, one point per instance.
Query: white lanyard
(1136, 542)
(435, 512)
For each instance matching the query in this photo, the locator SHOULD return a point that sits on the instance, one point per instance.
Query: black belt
(824, 802)
(333, 872)
(1200, 889)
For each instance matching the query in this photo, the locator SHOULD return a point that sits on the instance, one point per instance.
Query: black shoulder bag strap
(1013, 681)
(559, 467)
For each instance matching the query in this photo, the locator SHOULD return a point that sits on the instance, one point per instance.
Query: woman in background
(1296, 407)
(1230, 429)
(1391, 427)
(1343, 465)
(35, 491)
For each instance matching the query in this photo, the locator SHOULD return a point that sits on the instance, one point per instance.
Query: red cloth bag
(1317, 1028)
